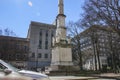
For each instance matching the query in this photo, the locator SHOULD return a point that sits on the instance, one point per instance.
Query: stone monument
(61, 50)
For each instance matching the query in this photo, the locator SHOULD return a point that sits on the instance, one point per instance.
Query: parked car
(12, 76)
(10, 72)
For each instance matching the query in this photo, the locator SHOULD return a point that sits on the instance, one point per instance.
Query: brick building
(14, 50)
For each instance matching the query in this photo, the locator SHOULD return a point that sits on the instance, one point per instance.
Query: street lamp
(37, 60)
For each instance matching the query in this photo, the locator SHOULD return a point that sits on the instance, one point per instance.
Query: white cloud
(30, 3)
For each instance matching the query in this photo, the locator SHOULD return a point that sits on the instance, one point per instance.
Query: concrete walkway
(96, 77)
(110, 75)
(70, 78)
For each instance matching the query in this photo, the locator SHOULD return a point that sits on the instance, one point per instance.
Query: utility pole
(37, 59)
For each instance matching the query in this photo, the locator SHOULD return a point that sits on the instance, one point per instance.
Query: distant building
(98, 45)
(14, 50)
(40, 37)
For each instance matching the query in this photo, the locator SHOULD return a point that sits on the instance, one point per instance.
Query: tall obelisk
(61, 51)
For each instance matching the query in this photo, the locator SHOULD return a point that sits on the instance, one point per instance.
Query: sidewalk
(110, 75)
(96, 77)
(70, 78)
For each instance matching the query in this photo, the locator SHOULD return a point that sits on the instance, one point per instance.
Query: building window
(40, 32)
(39, 55)
(33, 55)
(40, 39)
(46, 44)
(18, 56)
(50, 55)
(25, 48)
(46, 55)
(40, 44)
(10, 56)
(46, 33)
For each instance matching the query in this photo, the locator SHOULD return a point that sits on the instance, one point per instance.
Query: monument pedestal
(61, 51)
(61, 57)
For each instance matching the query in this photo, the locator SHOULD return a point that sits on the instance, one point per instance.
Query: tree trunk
(98, 56)
(80, 55)
(95, 60)
(112, 52)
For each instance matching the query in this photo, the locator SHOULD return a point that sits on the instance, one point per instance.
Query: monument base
(61, 67)
(60, 70)
(63, 70)
(61, 57)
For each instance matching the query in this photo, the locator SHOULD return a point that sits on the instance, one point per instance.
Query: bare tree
(0, 32)
(102, 12)
(114, 48)
(93, 36)
(9, 32)
(74, 32)
(94, 39)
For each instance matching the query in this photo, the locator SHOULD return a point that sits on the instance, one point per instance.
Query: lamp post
(37, 60)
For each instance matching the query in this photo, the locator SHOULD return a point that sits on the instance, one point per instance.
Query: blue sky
(17, 14)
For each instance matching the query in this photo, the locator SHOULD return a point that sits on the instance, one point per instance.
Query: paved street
(107, 76)
(69, 78)
(77, 78)
(103, 79)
